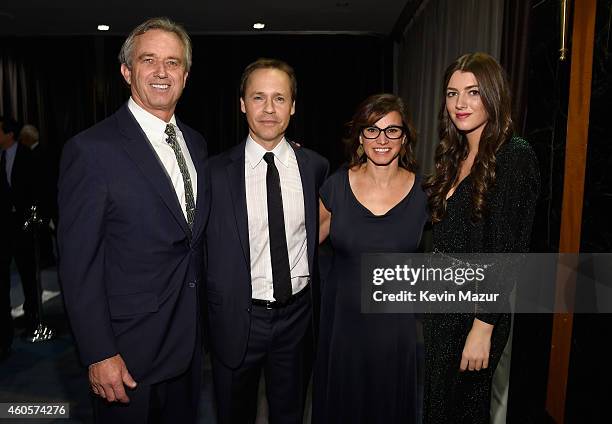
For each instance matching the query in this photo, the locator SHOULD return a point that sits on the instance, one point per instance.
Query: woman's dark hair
(453, 147)
(369, 112)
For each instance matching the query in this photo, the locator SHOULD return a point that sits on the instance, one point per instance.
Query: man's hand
(477, 347)
(107, 378)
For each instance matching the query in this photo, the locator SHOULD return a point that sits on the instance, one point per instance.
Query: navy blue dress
(365, 370)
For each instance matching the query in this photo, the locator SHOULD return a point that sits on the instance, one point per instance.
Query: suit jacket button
(192, 285)
(249, 309)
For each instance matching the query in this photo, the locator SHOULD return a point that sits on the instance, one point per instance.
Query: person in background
(17, 195)
(45, 169)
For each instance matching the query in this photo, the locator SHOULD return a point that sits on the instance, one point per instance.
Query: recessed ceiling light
(259, 25)
(103, 27)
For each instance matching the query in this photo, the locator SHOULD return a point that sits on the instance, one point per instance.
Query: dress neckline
(458, 187)
(361, 205)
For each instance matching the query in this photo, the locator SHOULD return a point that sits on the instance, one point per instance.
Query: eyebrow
(277, 93)
(469, 86)
(147, 54)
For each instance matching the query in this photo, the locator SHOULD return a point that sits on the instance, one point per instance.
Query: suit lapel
(144, 157)
(308, 190)
(235, 175)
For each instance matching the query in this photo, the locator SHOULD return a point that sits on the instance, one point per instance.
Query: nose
(461, 101)
(382, 138)
(161, 69)
(269, 106)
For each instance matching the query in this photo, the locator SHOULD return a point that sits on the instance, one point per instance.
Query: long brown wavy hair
(369, 112)
(453, 148)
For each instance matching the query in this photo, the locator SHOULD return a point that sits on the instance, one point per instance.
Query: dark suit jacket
(130, 269)
(22, 191)
(45, 163)
(228, 282)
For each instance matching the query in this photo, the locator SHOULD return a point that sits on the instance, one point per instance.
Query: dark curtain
(521, 43)
(514, 56)
(74, 82)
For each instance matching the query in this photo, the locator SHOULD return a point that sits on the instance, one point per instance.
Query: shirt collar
(147, 121)
(254, 152)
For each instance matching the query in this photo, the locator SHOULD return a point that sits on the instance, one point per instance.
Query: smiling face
(382, 150)
(157, 76)
(464, 104)
(268, 105)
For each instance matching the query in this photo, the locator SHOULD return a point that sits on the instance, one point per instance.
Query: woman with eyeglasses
(365, 371)
(482, 200)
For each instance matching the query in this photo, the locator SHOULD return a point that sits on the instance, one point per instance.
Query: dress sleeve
(328, 190)
(507, 226)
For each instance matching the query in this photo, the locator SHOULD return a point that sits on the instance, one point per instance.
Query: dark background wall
(590, 371)
(73, 82)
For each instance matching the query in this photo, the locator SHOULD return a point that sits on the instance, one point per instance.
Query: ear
(293, 108)
(242, 106)
(185, 79)
(127, 73)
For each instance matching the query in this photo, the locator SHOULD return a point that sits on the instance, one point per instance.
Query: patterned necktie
(189, 202)
(279, 256)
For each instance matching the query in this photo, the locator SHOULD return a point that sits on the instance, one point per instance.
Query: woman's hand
(477, 347)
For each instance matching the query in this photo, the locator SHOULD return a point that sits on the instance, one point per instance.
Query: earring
(360, 150)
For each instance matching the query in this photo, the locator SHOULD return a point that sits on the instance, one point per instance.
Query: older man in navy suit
(261, 237)
(132, 210)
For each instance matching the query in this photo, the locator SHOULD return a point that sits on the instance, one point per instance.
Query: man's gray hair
(162, 23)
(30, 132)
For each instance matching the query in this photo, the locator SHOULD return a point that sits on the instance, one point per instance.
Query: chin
(381, 161)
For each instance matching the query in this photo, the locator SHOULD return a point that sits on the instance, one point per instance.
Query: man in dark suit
(261, 237)
(45, 184)
(16, 197)
(132, 206)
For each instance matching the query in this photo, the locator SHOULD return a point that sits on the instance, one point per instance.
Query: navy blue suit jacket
(130, 267)
(228, 282)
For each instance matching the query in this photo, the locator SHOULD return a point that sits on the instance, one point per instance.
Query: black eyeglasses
(393, 132)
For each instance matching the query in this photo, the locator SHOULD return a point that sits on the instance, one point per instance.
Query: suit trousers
(280, 344)
(170, 401)
(18, 244)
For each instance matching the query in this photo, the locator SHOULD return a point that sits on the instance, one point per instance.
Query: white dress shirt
(11, 152)
(154, 128)
(255, 169)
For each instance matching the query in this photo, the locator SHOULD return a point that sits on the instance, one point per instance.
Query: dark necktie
(281, 276)
(189, 202)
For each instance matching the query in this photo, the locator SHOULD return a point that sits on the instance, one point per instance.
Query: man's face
(158, 75)
(6, 140)
(268, 105)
